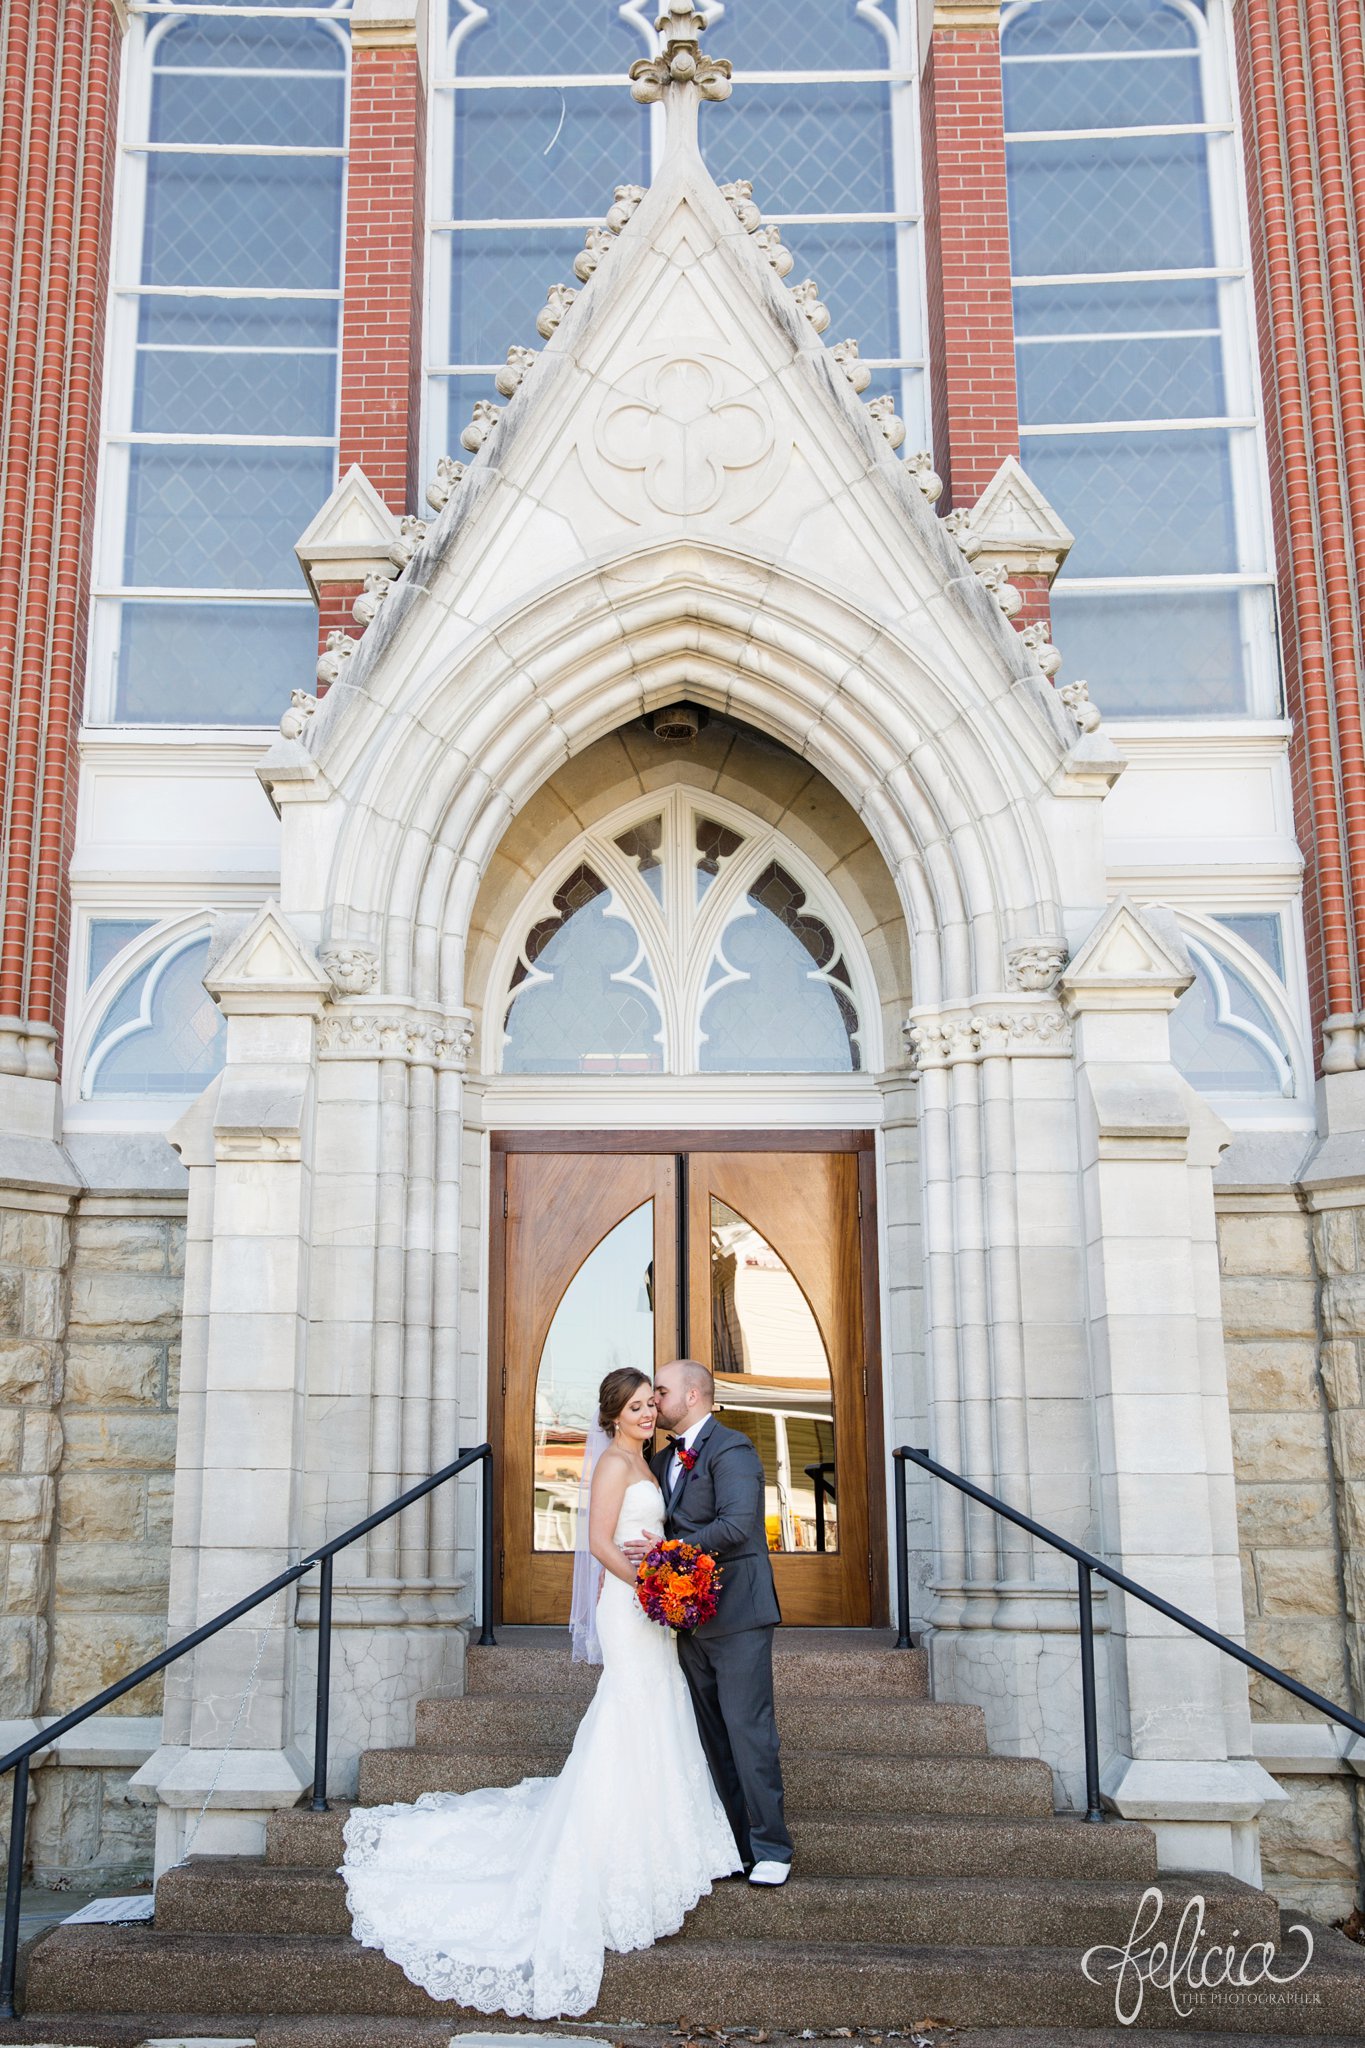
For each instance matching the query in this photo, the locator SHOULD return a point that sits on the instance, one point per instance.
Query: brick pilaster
(967, 249)
(1302, 76)
(59, 91)
(381, 325)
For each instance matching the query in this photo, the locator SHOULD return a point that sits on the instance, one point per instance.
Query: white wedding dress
(506, 1899)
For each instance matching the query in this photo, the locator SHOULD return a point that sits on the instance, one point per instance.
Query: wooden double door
(752, 1254)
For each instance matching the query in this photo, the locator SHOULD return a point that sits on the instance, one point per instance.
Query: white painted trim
(629, 1102)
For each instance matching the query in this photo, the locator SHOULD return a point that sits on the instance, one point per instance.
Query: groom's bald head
(683, 1391)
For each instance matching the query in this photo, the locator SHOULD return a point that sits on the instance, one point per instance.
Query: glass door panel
(604, 1321)
(773, 1381)
(775, 1306)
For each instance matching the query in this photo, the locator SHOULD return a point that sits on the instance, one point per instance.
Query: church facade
(685, 688)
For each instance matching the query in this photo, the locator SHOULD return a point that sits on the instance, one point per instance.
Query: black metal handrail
(17, 1760)
(1086, 1563)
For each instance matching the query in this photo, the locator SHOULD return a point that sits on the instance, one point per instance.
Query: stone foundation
(90, 1301)
(1296, 1418)
(91, 1293)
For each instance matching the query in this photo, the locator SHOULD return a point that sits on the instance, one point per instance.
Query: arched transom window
(682, 937)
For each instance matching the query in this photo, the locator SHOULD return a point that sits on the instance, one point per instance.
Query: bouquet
(678, 1585)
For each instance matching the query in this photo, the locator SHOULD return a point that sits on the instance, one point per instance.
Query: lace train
(506, 1899)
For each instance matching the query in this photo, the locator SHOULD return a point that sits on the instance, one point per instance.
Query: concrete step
(808, 1663)
(344, 2030)
(107, 1970)
(232, 1895)
(860, 1845)
(866, 1727)
(815, 1780)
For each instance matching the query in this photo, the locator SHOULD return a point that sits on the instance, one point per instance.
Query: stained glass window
(221, 441)
(681, 942)
(524, 161)
(1224, 1038)
(778, 998)
(1136, 389)
(583, 999)
(162, 1034)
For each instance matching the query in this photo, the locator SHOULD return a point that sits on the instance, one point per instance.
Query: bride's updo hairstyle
(614, 1392)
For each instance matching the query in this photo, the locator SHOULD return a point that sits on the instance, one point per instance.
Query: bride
(506, 1899)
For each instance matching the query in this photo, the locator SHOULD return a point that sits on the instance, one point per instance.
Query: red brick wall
(1302, 80)
(381, 326)
(56, 169)
(966, 224)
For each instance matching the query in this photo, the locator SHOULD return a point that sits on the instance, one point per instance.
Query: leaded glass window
(681, 941)
(1234, 1035)
(161, 1033)
(525, 160)
(221, 437)
(1138, 412)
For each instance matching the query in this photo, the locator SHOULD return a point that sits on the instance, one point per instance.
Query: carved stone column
(240, 1461)
(1181, 1736)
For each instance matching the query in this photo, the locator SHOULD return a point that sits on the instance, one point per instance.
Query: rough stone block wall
(110, 1556)
(34, 1244)
(1285, 1390)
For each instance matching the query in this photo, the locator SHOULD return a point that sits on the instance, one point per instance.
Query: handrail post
(904, 1640)
(1093, 1809)
(14, 1880)
(487, 1639)
(320, 1727)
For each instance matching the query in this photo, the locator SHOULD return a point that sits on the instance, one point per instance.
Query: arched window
(1231, 1031)
(221, 422)
(160, 1032)
(524, 162)
(688, 939)
(1137, 390)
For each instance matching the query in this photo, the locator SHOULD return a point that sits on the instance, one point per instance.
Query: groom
(712, 1483)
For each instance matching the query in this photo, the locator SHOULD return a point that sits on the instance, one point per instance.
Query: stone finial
(739, 197)
(449, 472)
(959, 525)
(412, 531)
(1009, 599)
(627, 198)
(366, 607)
(681, 64)
(845, 354)
(294, 721)
(1048, 657)
(1077, 699)
(558, 300)
(921, 467)
(519, 360)
(883, 411)
(339, 650)
(770, 241)
(595, 246)
(807, 296)
(481, 426)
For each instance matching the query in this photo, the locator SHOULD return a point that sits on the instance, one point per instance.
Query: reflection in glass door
(773, 1381)
(751, 1261)
(605, 1320)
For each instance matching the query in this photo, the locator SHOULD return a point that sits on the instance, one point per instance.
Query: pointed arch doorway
(753, 1252)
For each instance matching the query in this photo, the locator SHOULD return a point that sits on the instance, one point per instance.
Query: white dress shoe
(770, 1873)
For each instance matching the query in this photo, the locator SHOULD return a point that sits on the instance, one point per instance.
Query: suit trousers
(730, 1679)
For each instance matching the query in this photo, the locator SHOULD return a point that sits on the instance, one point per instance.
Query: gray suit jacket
(718, 1505)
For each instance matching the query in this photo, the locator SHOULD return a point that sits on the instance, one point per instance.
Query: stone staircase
(932, 1881)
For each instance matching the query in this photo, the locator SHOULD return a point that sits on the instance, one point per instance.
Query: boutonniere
(687, 1459)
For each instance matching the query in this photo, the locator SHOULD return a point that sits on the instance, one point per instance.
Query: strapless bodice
(642, 1508)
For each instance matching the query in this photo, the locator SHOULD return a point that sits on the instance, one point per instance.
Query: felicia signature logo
(1186, 1964)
